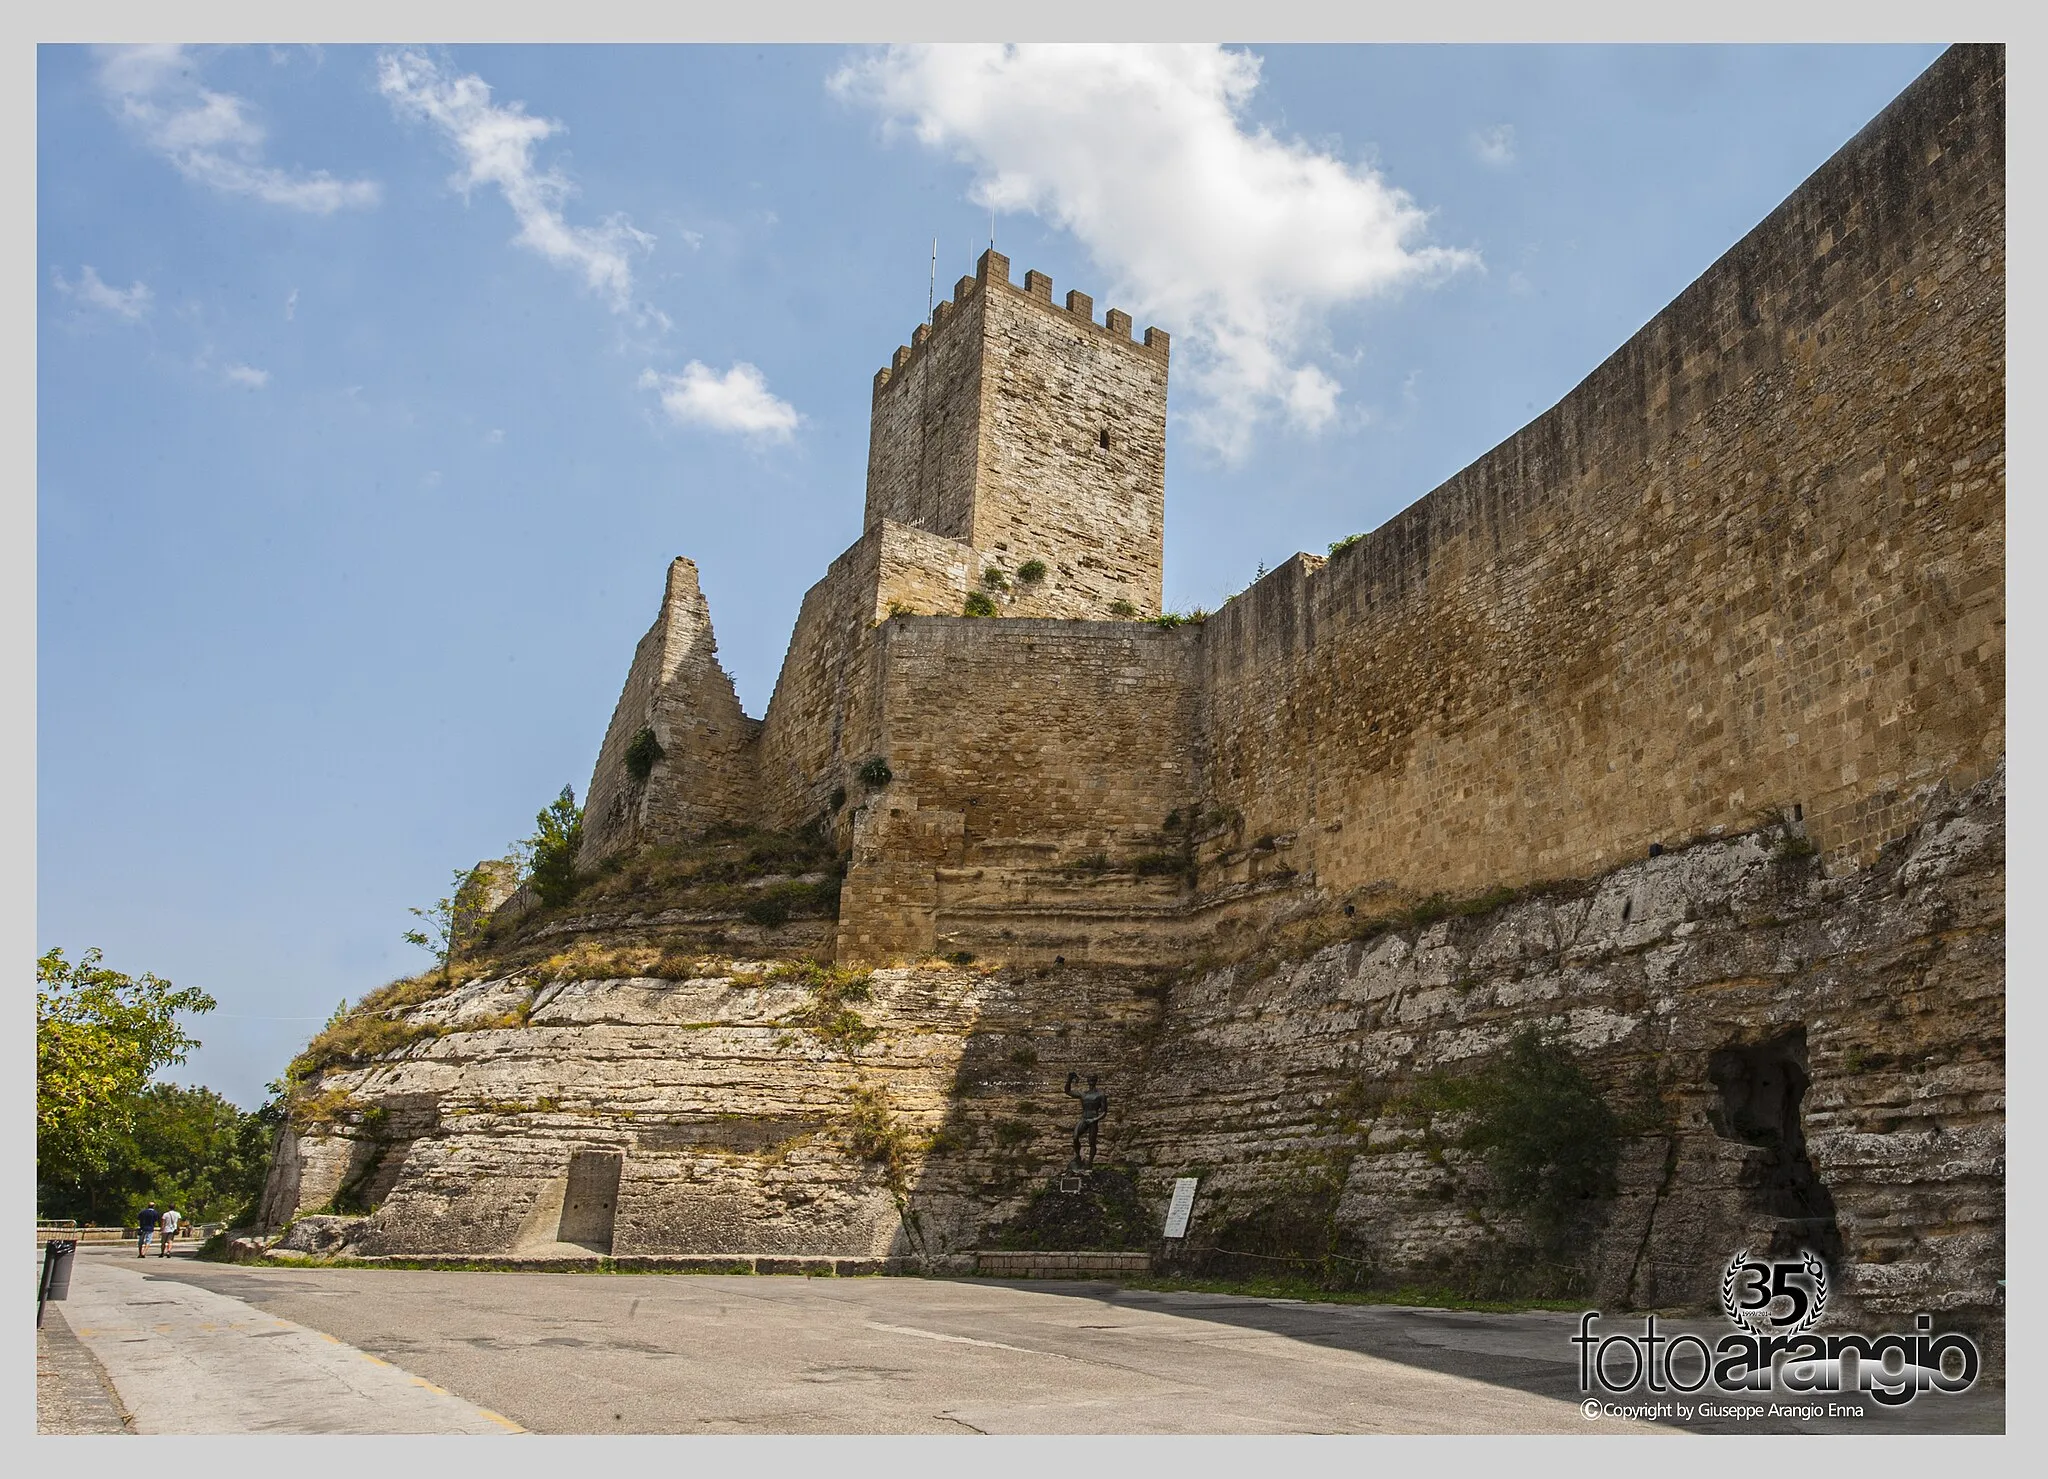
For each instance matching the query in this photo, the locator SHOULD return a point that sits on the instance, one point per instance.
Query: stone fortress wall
(1738, 597)
(1753, 562)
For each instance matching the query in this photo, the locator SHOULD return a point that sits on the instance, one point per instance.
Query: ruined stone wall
(677, 688)
(1756, 559)
(1054, 738)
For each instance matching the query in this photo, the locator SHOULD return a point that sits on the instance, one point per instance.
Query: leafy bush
(456, 919)
(1548, 1138)
(1157, 864)
(873, 1134)
(978, 603)
(1107, 1213)
(838, 798)
(180, 1147)
(994, 578)
(875, 773)
(770, 910)
(1346, 542)
(1121, 607)
(642, 753)
(1031, 571)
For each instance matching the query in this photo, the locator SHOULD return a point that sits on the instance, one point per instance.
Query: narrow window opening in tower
(1105, 439)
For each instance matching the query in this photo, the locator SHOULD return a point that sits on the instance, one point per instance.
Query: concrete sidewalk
(73, 1395)
(188, 1360)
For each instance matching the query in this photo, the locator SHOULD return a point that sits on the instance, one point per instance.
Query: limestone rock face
(739, 1120)
(1796, 1060)
(1684, 983)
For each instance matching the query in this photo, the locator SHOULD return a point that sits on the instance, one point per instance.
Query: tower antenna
(931, 291)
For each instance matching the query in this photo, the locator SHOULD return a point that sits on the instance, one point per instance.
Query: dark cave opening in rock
(1762, 1086)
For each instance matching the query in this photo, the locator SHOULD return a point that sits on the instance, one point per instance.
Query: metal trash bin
(58, 1255)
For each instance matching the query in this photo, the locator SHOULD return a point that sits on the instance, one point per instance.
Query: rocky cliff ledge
(1790, 1057)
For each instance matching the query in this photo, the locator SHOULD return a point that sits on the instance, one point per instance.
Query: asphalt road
(653, 1353)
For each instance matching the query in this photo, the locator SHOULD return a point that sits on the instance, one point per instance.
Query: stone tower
(1028, 431)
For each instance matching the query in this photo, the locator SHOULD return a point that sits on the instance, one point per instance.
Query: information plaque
(1181, 1206)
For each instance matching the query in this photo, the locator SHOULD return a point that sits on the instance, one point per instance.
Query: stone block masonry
(1754, 561)
(1054, 750)
(1030, 432)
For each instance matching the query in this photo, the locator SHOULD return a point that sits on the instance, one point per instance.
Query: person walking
(144, 1226)
(167, 1230)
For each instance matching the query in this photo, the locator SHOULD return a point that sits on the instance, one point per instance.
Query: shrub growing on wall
(1031, 571)
(642, 753)
(978, 603)
(1549, 1140)
(875, 773)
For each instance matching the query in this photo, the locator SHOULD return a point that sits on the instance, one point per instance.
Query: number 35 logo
(1752, 1289)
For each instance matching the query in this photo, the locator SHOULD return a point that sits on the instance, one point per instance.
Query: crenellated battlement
(994, 268)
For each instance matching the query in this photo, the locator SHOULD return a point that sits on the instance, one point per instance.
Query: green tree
(551, 852)
(181, 1147)
(455, 919)
(100, 1035)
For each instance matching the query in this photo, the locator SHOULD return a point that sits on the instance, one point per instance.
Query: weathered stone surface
(1028, 431)
(677, 690)
(1278, 1083)
(1892, 977)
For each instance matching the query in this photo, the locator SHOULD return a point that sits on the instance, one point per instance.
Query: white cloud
(1240, 242)
(739, 400)
(495, 145)
(1496, 145)
(495, 435)
(210, 136)
(131, 302)
(291, 305)
(247, 376)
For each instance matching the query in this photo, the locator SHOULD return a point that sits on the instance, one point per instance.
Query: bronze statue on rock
(1094, 1105)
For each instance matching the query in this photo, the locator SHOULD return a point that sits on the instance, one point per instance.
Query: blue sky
(376, 388)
